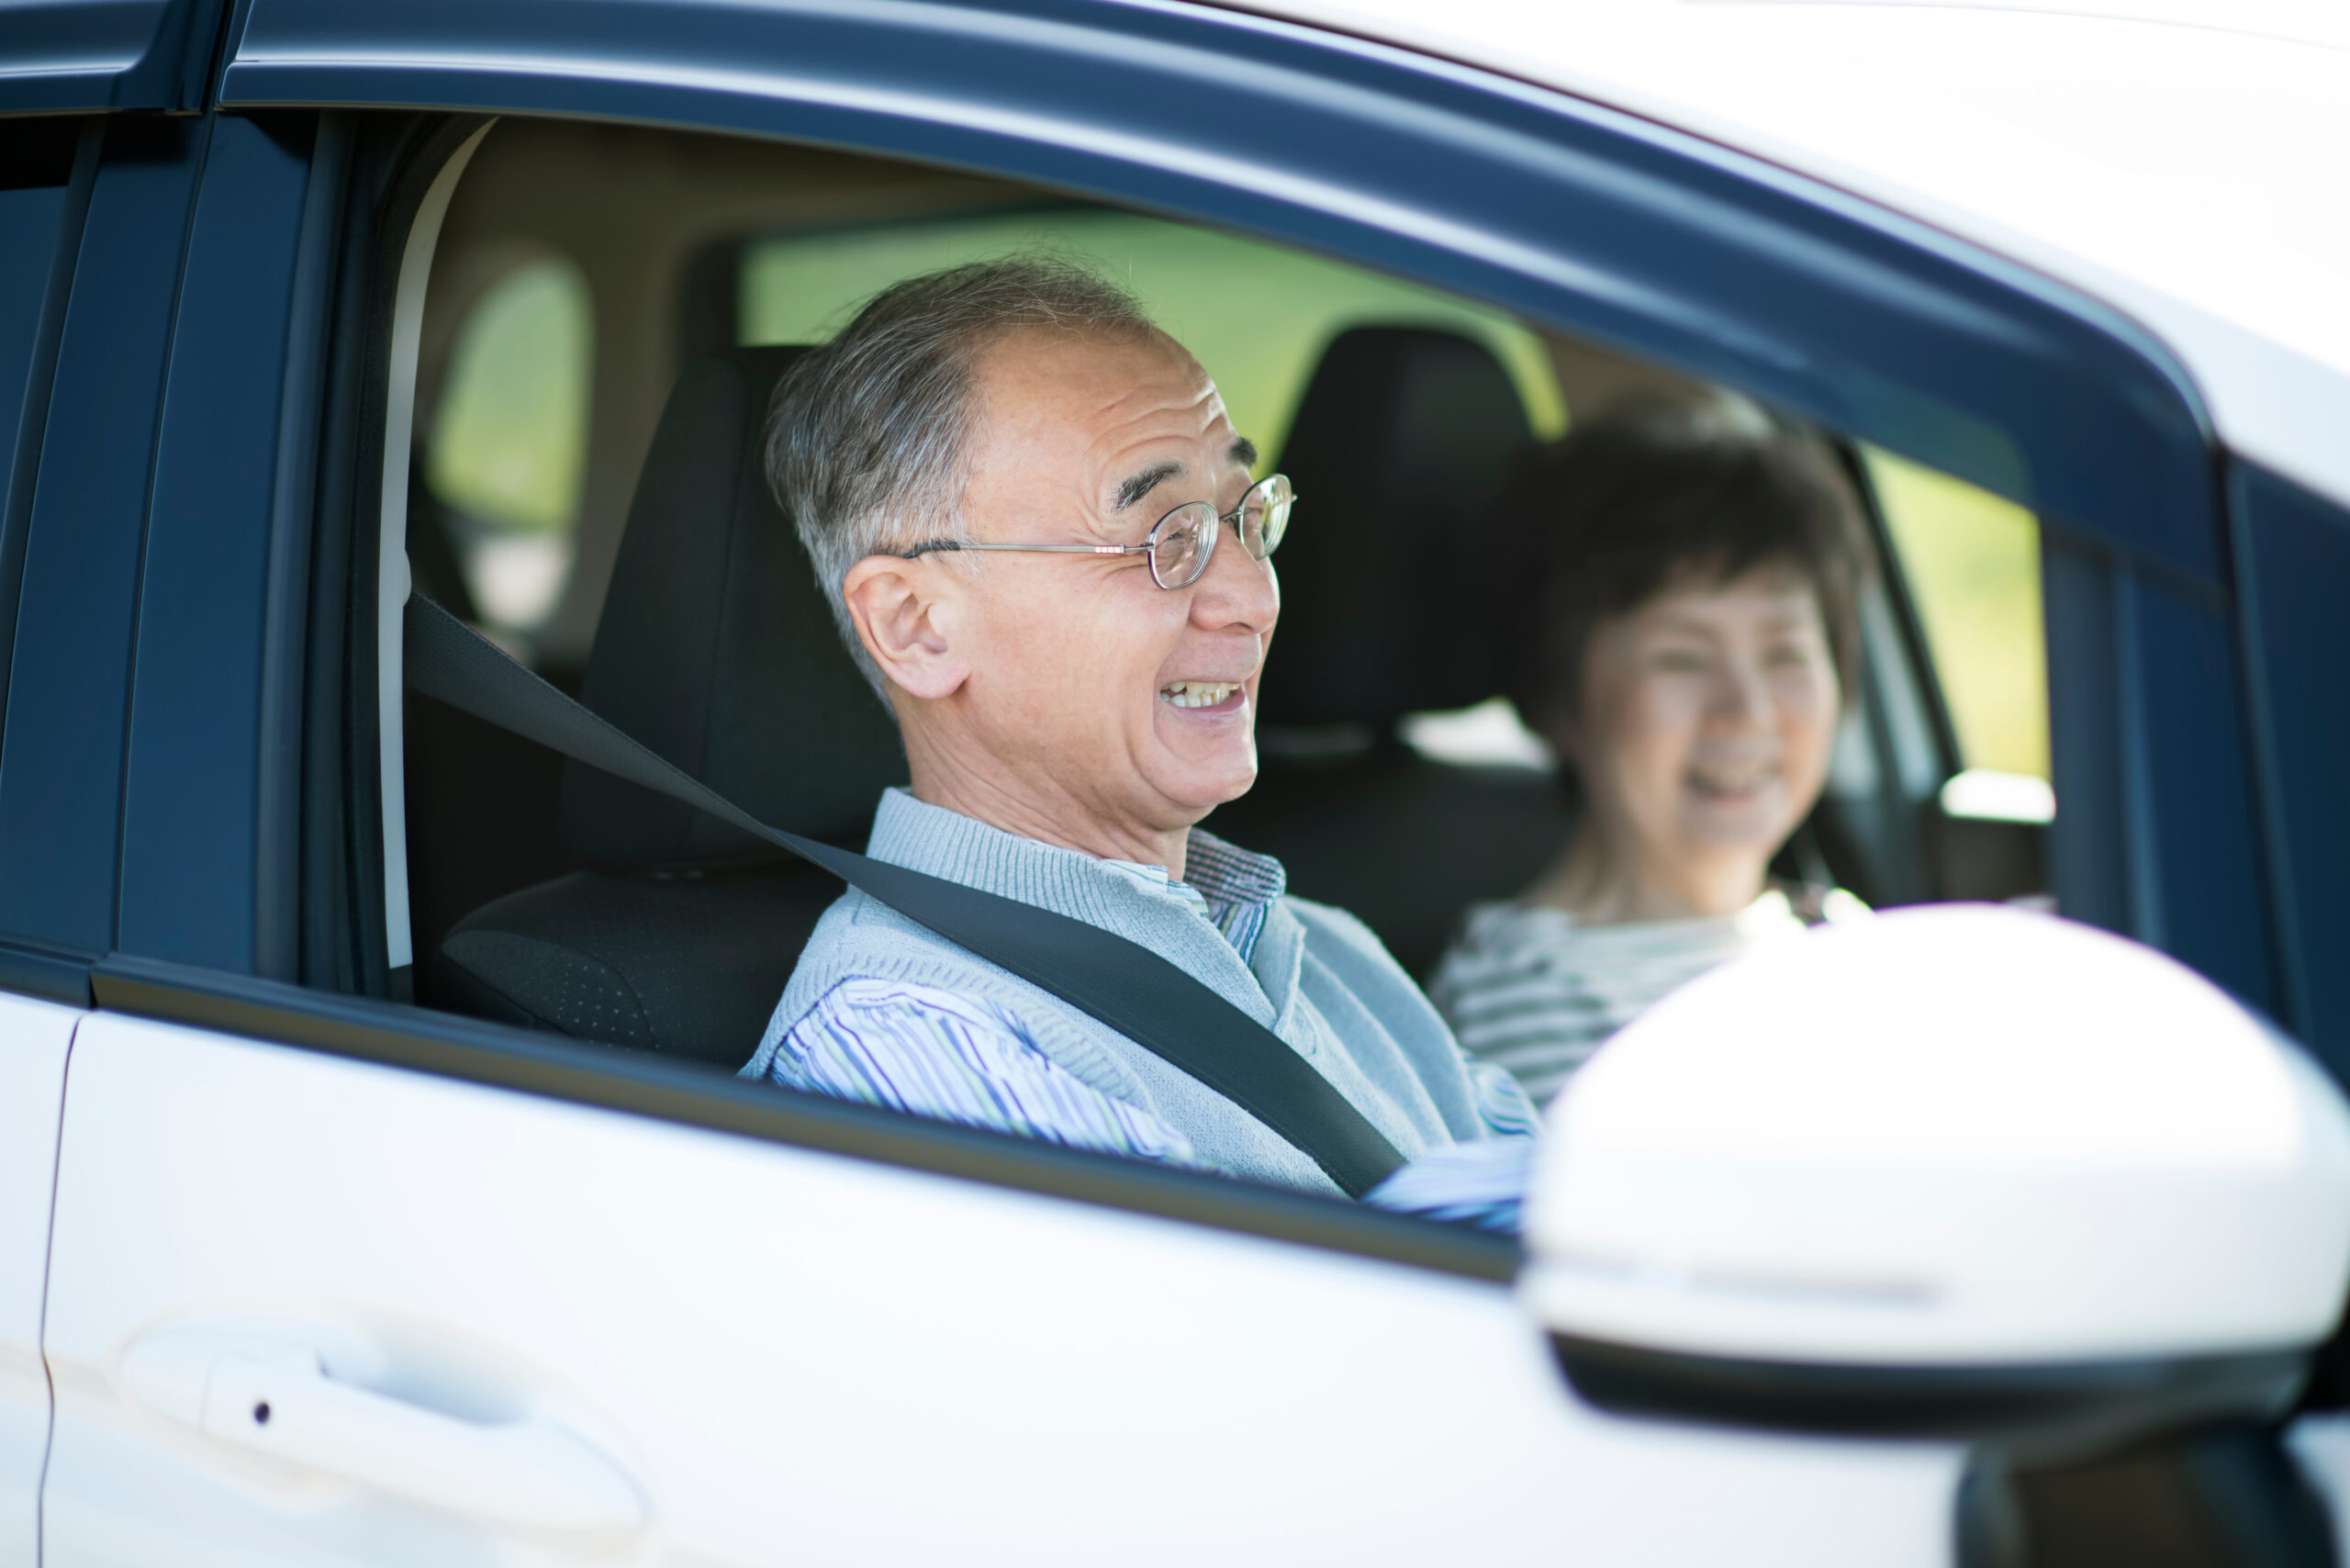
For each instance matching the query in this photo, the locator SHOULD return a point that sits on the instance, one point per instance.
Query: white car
(372, 1184)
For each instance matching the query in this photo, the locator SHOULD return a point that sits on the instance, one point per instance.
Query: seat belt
(1120, 982)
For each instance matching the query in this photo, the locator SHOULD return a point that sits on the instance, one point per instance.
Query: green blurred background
(509, 433)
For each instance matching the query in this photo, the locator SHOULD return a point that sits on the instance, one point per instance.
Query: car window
(505, 451)
(609, 312)
(1260, 315)
(1970, 564)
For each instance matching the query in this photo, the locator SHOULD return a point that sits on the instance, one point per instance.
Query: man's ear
(904, 612)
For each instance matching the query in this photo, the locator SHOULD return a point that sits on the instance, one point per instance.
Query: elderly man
(1045, 549)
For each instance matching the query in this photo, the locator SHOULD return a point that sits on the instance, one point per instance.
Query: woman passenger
(1685, 625)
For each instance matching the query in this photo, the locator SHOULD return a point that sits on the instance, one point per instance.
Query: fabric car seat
(716, 649)
(1402, 436)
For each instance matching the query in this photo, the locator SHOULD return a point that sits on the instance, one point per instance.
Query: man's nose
(1237, 592)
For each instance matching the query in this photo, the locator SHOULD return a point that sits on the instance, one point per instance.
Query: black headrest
(1400, 434)
(717, 649)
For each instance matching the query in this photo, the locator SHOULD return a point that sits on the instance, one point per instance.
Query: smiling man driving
(1041, 538)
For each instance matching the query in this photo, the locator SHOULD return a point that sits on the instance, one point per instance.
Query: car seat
(1400, 438)
(716, 649)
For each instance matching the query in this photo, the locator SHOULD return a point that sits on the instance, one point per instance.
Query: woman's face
(1708, 717)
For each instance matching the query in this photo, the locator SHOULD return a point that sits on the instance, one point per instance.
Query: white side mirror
(1959, 1171)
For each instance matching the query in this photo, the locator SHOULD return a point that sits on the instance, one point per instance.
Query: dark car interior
(548, 895)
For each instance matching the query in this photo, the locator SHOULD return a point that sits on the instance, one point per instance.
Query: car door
(38, 220)
(33, 1040)
(480, 1321)
(79, 266)
(336, 1279)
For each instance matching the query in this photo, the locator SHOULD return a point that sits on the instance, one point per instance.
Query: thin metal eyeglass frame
(1147, 549)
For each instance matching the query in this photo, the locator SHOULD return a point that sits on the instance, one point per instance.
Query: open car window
(609, 312)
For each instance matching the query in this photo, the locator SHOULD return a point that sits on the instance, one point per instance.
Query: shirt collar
(1228, 874)
(1238, 887)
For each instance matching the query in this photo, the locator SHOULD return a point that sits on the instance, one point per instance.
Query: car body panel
(62, 759)
(2179, 159)
(1653, 241)
(959, 1346)
(34, 1036)
(211, 586)
(2296, 561)
(798, 1357)
(40, 235)
(1644, 238)
(2149, 724)
(95, 56)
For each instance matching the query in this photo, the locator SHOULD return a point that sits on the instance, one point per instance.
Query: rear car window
(507, 446)
(1971, 562)
(1258, 315)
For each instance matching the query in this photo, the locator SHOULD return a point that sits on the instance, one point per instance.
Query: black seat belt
(1122, 983)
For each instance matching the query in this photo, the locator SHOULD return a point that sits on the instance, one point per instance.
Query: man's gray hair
(867, 436)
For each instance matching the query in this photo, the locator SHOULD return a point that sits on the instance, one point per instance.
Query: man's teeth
(1198, 693)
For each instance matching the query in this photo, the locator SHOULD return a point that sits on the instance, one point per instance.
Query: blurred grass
(1971, 561)
(1257, 315)
(508, 443)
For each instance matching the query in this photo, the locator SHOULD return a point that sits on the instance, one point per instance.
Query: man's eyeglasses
(1179, 547)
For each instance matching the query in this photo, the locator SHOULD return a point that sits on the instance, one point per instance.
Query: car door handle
(280, 1402)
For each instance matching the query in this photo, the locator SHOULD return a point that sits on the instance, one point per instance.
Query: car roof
(2178, 160)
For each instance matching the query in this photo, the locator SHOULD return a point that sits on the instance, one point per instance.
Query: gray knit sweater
(1314, 975)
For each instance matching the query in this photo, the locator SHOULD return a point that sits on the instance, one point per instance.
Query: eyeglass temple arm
(939, 544)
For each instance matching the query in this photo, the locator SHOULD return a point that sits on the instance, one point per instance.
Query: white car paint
(34, 1036)
(2181, 161)
(806, 1359)
(1851, 1150)
(788, 1356)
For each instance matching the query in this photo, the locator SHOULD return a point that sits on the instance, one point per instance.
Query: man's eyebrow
(1140, 484)
(1242, 451)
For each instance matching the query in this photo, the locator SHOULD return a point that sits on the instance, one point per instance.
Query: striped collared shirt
(929, 1052)
(1532, 989)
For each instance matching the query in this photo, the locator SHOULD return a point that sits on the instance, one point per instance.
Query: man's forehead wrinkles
(1140, 404)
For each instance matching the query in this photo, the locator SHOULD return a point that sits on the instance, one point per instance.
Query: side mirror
(1955, 1172)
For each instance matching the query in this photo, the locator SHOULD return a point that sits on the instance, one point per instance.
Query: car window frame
(393, 73)
(502, 1057)
(2128, 463)
(1431, 171)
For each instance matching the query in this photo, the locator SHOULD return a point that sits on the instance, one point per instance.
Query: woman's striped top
(1531, 988)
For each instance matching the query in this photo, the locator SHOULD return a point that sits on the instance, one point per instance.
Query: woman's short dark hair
(1597, 525)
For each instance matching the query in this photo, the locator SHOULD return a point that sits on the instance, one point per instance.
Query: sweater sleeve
(931, 1053)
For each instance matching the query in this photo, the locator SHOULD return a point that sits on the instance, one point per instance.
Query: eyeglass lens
(1185, 538)
(1264, 515)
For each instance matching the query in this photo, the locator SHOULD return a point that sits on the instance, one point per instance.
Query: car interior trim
(477, 1051)
(391, 567)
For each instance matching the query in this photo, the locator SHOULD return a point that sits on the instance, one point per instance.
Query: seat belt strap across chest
(1121, 983)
